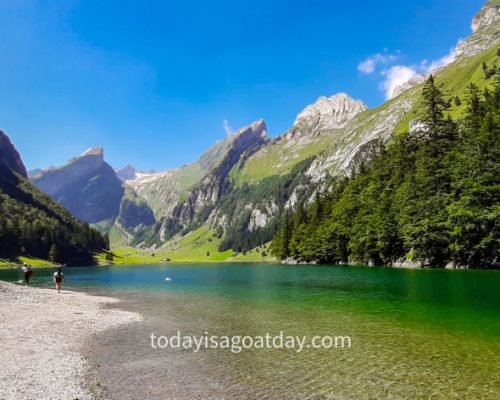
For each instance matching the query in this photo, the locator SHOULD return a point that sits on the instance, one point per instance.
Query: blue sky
(153, 82)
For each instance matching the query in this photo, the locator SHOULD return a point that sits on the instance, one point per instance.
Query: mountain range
(234, 194)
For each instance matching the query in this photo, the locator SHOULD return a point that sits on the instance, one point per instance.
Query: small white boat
(167, 279)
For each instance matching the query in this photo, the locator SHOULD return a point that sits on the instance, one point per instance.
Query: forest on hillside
(32, 224)
(430, 197)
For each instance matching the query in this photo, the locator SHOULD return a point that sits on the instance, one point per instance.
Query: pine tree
(280, 245)
(433, 106)
(485, 70)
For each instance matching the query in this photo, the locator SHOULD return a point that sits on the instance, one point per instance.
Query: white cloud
(227, 127)
(399, 74)
(395, 76)
(440, 63)
(369, 65)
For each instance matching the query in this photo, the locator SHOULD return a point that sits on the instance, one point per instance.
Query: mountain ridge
(86, 185)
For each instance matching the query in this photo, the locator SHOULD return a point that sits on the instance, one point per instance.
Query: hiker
(28, 272)
(58, 279)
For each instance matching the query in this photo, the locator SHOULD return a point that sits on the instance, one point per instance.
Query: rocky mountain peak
(89, 160)
(256, 129)
(245, 141)
(94, 151)
(486, 32)
(87, 186)
(10, 157)
(489, 14)
(53, 179)
(128, 172)
(332, 112)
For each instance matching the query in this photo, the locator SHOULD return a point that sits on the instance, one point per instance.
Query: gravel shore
(41, 332)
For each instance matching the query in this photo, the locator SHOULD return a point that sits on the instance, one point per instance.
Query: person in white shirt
(27, 273)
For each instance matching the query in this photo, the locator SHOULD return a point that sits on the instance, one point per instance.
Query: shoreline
(42, 333)
(414, 266)
(195, 261)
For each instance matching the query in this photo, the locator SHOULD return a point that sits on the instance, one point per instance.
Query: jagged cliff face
(203, 198)
(485, 31)
(164, 190)
(489, 15)
(219, 203)
(87, 186)
(353, 144)
(10, 157)
(328, 120)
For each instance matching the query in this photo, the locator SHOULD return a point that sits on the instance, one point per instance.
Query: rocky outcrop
(87, 186)
(486, 32)
(359, 135)
(10, 157)
(413, 81)
(332, 112)
(258, 219)
(326, 113)
(487, 16)
(203, 198)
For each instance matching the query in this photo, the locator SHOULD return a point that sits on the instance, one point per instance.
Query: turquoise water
(415, 333)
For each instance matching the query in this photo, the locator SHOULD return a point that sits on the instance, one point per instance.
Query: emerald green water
(415, 333)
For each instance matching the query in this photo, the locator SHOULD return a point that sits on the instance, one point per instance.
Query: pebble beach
(42, 332)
